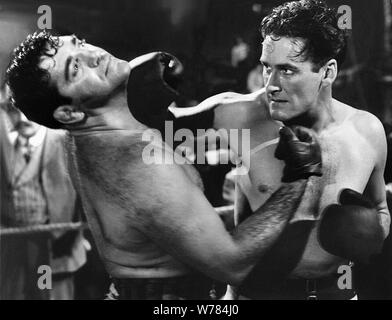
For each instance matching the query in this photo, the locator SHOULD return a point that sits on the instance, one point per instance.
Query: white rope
(66, 226)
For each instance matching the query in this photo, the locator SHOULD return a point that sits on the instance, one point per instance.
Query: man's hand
(301, 152)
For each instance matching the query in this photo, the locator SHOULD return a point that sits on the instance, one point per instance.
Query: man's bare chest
(348, 161)
(348, 158)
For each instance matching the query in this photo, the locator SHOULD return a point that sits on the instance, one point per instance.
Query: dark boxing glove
(299, 149)
(152, 87)
(352, 228)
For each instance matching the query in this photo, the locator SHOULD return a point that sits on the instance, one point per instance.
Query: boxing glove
(301, 152)
(352, 228)
(152, 86)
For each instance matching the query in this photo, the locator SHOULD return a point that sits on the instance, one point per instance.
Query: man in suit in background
(35, 190)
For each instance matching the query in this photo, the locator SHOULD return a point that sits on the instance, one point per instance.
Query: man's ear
(330, 73)
(67, 114)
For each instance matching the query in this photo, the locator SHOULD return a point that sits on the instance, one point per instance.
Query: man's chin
(30, 131)
(123, 66)
(278, 115)
(120, 74)
(119, 68)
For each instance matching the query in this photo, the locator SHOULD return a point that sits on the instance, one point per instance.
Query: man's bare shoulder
(234, 97)
(258, 98)
(367, 124)
(237, 110)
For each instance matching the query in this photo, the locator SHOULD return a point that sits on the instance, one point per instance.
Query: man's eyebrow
(69, 59)
(281, 65)
(287, 66)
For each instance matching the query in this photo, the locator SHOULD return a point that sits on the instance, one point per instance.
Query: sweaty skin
(353, 143)
(138, 206)
(148, 220)
(354, 154)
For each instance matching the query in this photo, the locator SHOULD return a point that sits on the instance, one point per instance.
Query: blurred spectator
(255, 78)
(35, 190)
(240, 61)
(239, 52)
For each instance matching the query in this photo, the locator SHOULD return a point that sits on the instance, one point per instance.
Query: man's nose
(23, 118)
(273, 83)
(91, 57)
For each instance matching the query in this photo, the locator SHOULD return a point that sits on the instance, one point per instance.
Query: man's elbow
(235, 276)
(230, 279)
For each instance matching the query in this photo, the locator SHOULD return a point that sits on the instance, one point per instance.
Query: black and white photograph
(196, 153)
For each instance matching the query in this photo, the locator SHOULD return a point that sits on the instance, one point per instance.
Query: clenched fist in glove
(352, 228)
(301, 152)
(152, 86)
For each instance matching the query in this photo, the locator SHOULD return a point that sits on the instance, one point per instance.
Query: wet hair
(31, 90)
(313, 21)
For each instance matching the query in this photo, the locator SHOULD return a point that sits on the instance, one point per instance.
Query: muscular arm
(375, 189)
(229, 110)
(270, 219)
(180, 219)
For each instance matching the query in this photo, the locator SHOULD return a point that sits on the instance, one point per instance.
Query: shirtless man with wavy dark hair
(153, 227)
(302, 51)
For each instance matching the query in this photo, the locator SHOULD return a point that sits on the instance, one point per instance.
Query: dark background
(201, 33)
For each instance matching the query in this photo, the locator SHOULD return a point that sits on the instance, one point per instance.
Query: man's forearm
(200, 116)
(260, 231)
(206, 105)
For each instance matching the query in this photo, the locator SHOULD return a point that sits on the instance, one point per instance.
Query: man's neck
(317, 118)
(115, 115)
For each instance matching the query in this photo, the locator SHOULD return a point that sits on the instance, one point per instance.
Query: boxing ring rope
(67, 226)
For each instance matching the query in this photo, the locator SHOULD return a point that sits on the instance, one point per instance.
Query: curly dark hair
(313, 21)
(30, 85)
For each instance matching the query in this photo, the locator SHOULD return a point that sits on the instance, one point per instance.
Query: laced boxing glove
(352, 228)
(152, 86)
(299, 148)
